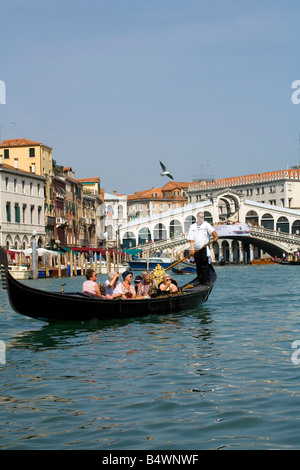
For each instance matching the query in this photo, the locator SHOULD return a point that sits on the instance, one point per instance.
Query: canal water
(226, 376)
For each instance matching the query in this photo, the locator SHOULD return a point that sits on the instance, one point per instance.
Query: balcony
(82, 221)
(50, 221)
(61, 222)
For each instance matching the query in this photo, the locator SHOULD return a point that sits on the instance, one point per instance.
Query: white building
(22, 208)
(115, 216)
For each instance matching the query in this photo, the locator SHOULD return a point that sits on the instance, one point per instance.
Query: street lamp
(33, 246)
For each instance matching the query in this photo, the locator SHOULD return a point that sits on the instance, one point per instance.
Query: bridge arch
(264, 220)
(228, 205)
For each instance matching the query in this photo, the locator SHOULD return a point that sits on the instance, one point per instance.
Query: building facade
(36, 158)
(115, 216)
(156, 200)
(276, 188)
(59, 200)
(93, 211)
(22, 208)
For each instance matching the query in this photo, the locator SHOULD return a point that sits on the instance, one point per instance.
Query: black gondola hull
(56, 306)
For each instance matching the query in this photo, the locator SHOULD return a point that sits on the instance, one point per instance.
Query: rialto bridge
(261, 229)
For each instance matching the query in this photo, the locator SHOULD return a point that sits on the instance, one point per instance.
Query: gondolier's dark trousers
(202, 265)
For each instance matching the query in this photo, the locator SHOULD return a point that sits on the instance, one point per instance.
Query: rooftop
(293, 173)
(20, 143)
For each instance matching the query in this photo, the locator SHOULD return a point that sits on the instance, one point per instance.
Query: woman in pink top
(90, 286)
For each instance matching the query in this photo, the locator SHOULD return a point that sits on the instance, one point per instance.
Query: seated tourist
(90, 286)
(127, 289)
(112, 286)
(144, 287)
(167, 285)
(137, 281)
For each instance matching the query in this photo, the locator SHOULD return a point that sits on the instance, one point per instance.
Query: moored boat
(22, 272)
(76, 306)
(184, 267)
(262, 262)
(143, 263)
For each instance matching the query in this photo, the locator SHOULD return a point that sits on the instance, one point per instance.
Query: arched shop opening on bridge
(283, 225)
(267, 221)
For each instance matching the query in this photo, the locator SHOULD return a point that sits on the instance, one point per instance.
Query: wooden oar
(174, 264)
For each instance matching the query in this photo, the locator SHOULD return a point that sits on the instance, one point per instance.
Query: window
(6, 153)
(31, 214)
(15, 185)
(24, 213)
(23, 187)
(17, 213)
(39, 215)
(8, 214)
(32, 152)
(6, 184)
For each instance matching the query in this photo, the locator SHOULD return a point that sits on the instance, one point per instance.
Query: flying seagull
(165, 172)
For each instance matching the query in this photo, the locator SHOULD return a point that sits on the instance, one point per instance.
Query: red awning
(84, 248)
(103, 251)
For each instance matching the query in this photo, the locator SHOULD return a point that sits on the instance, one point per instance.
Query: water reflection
(61, 334)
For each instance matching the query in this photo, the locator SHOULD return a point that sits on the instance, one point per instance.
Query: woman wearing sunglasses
(167, 285)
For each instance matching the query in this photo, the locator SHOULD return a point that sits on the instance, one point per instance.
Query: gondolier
(199, 235)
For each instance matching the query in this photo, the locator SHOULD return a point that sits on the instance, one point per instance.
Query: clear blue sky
(114, 86)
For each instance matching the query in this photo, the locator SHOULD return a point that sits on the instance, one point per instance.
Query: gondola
(76, 306)
(285, 262)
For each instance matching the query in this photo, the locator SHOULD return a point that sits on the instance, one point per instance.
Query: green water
(222, 377)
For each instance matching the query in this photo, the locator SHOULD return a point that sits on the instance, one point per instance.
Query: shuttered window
(17, 213)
